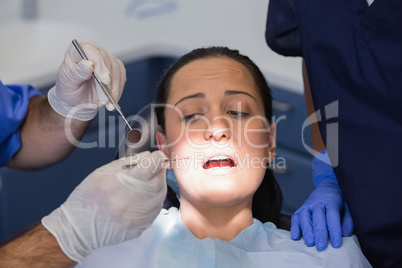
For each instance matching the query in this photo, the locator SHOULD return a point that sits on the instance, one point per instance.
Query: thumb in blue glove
(321, 213)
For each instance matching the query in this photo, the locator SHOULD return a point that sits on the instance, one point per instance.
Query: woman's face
(215, 118)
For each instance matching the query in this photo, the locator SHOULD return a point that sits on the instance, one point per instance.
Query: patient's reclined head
(214, 108)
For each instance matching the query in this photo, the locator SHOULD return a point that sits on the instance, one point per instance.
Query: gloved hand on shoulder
(325, 211)
(110, 206)
(76, 93)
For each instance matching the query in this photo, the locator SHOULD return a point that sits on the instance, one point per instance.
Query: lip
(218, 156)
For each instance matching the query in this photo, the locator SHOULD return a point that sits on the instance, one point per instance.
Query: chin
(223, 199)
(225, 194)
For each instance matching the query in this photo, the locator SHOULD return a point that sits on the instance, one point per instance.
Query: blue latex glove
(321, 213)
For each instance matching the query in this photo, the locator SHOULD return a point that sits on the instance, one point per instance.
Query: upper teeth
(219, 157)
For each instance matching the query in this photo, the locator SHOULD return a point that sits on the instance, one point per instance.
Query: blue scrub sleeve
(14, 100)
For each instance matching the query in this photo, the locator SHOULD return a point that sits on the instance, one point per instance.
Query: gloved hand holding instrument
(76, 88)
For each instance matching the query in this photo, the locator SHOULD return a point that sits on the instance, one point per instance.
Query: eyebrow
(227, 93)
(235, 92)
(197, 96)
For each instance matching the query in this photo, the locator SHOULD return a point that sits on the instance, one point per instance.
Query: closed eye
(238, 114)
(191, 117)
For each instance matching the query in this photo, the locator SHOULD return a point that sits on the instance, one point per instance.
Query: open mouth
(219, 162)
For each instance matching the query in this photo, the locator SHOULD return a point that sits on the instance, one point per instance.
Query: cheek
(180, 132)
(174, 132)
(255, 139)
(187, 135)
(255, 135)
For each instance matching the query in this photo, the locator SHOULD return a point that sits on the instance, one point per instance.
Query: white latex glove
(110, 206)
(76, 88)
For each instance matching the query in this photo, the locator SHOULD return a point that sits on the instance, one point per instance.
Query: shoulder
(348, 255)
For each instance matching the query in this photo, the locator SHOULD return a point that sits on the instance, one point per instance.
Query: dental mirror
(133, 136)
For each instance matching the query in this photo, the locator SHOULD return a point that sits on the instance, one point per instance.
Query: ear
(161, 140)
(271, 141)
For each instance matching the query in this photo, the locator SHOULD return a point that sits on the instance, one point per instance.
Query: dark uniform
(353, 56)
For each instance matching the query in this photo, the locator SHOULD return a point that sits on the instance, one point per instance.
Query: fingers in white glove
(146, 182)
(148, 164)
(149, 176)
(110, 206)
(98, 57)
(78, 73)
(76, 93)
(118, 80)
(108, 69)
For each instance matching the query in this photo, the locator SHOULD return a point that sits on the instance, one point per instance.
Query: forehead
(214, 74)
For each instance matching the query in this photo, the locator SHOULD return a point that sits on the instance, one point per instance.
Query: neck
(214, 221)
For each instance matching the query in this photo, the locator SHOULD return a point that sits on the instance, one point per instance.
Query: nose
(219, 129)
